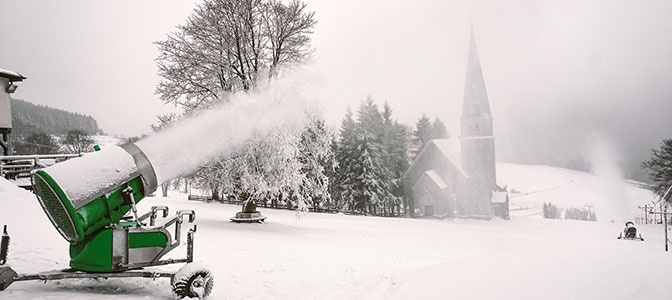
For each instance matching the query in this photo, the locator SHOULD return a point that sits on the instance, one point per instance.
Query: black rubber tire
(192, 281)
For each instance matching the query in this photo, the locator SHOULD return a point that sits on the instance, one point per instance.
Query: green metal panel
(94, 255)
(147, 239)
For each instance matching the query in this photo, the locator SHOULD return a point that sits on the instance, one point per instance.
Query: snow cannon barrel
(83, 195)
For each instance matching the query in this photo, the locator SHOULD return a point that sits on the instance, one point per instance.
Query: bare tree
(228, 46)
(78, 141)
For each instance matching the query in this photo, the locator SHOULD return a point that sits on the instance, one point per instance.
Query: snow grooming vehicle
(630, 232)
(87, 200)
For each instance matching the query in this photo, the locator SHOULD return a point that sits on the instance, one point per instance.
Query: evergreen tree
(396, 151)
(346, 174)
(423, 133)
(331, 171)
(659, 166)
(374, 176)
(439, 130)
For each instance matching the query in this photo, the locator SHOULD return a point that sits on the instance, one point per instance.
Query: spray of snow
(185, 146)
(604, 158)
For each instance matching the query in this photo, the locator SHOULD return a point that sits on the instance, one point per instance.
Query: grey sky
(557, 72)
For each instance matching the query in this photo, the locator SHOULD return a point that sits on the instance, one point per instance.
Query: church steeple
(477, 138)
(476, 115)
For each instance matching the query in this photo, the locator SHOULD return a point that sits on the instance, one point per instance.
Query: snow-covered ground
(323, 256)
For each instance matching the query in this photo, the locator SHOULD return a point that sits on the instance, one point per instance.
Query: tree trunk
(164, 189)
(215, 194)
(249, 205)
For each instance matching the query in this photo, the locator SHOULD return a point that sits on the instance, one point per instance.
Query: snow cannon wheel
(7, 276)
(192, 281)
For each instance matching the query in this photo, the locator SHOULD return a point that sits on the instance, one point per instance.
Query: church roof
(451, 149)
(475, 96)
(437, 179)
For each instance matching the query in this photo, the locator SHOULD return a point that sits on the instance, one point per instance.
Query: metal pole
(664, 215)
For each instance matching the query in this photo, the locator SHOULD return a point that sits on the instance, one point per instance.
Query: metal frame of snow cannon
(133, 270)
(630, 232)
(107, 237)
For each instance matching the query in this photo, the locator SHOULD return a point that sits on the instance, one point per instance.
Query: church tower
(477, 139)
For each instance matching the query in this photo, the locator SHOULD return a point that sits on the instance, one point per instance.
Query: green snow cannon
(87, 200)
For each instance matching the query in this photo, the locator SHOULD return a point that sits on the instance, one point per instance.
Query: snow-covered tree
(659, 166)
(344, 191)
(284, 166)
(316, 156)
(396, 151)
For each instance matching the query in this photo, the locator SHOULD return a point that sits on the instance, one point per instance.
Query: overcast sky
(558, 73)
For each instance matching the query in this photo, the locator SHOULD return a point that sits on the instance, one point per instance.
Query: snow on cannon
(630, 232)
(91, 201)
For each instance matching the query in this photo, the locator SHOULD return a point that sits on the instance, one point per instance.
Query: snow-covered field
(322, 256)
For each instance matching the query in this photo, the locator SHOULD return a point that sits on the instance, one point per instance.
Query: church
(457, 177)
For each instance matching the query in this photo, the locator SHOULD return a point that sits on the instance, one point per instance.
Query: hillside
(29, 118)
(334, 256)
(533, 185)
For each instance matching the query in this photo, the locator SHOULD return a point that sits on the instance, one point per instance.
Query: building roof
(437, 179)
(499, 197)
(451, 149)
(11, 75)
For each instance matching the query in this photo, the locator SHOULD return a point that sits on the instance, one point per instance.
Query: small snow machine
(91, 201)
(630, 232)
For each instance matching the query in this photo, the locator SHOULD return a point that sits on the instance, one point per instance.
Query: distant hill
(28, 118)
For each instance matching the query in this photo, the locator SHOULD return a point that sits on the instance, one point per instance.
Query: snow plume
(186, 145)
(604, 162)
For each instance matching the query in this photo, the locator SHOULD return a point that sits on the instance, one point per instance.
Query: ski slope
(324, 256)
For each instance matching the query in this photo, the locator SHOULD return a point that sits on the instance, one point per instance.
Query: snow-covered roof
(436, 178)
(11, 75)
(451, 149)
(499, 197)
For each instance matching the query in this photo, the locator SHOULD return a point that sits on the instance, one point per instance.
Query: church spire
(477, 139)
(475, 103)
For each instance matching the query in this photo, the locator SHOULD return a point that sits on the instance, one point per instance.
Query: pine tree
(346, 174)
(423, 133)
(373, 180)
(331, 171)
(396, 151)
(439, 130)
